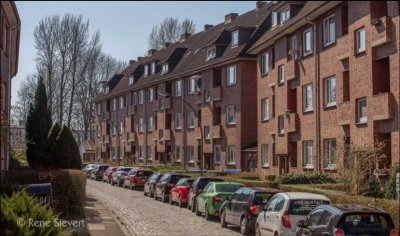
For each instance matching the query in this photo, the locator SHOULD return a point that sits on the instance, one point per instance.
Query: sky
(124, 26)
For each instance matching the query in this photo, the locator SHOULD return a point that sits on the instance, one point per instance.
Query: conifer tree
(51, 142)
(66, 150)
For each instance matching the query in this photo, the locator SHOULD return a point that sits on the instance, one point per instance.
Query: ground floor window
(330, 153)
(231, 154)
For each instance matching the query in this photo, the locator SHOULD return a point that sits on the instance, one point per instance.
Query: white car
(282, 212)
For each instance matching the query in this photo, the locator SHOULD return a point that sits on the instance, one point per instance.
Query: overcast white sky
(124, 26)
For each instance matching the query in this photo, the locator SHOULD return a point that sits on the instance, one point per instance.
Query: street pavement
(144, 216)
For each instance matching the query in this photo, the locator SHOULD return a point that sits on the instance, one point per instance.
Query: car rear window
(144, 173)
(366, 224)
(227, 188)
(126, 169)
(185, 182)
(203, 182)
(103, 167)
(261, 198)
(176, 178)
(304, 206)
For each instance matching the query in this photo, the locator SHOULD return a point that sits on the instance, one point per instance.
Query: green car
(213, 195)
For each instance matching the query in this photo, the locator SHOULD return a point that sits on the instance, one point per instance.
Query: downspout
(184, 143)
(317, 98)
(145, 127)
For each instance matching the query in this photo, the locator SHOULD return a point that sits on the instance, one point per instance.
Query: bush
(19, 208)
(51, 144)
(66, 151)
(307, 178)
(270, 177)
(390, 187)
(373, 188)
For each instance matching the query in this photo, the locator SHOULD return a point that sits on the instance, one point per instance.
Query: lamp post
(201, 129)
(118, 137)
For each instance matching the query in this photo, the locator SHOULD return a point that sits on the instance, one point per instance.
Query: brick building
(191, 99)
(328, 77)
(10, 25)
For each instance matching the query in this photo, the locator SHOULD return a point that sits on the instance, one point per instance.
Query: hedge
(69, 187)
(390, 206)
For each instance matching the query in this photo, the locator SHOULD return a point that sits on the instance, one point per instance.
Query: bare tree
(25, 96)
(188, 26)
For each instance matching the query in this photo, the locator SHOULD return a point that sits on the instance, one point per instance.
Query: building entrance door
(283, 165)
(208, 165)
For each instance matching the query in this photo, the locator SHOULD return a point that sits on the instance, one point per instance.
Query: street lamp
(118, 137)
(201, 129)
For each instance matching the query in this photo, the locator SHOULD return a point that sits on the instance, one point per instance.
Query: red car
(137, 178)
(180, 192)
(107, 174)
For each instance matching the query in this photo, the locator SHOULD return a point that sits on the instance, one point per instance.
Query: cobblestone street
(145, 216)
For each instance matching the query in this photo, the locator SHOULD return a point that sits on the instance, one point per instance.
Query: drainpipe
(184, 143)
(145, 127)
(317, 98)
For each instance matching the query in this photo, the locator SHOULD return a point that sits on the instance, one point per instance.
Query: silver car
(118, 176)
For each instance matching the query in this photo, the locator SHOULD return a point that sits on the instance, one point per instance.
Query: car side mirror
(301, 224)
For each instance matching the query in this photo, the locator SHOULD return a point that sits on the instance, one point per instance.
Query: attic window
(285, 15)
(146, 71)
(131, 80)
(235, 38)
(107, 90)
(274, 19)
(211, 53)
(165, 69)
(153, 68)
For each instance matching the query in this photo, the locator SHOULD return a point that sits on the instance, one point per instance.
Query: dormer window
(106, 89)
(285, 15)
(165, 69)
(274, 19)
(131, 80)
(211, 53)
(235, 38)
(146, 70)
(153, 68)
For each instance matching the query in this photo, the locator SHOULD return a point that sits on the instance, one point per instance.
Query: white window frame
(235, 38)
(362, 119)
(141, 96)
(285, 16)
(294, 47)
(233, 121)
(231, 79)
(305, 42)
(149, 152)
(140, 124)
(146, 70)
(281, 74)
(281, 124)
(329, 32)
(231, 155)
(114, 130)
(217, 153)
(308, 159)
(265, 63)
(153, 68)
(177, 153)
(360, 44)
(329, 92)
(107, 89)
(265, 109)
(150, 122)
(178, 121)
(131, 79)
(114, 104)
(274, 19)
(165, 68)
(207, 95)
(121, 127)
(178, 88)
(207, 135)
(134, 98)
(194, 86)
(190, 154)
(265, 155)
(211, 53)
(150, 95)
(308, 103)
(121, 102)
(330, 154)
(191, 119)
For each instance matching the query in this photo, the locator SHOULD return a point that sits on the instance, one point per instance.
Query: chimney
(167, 44)
(230, 17)
(139, 58)
(260, 4)
(151, 51)
(131, 62)
(207, 27)
(185, 36)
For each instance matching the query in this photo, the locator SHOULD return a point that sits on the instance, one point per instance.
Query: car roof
(304, 195)
(220, 183)
(262, 189)
(208, 177)
(347, 208)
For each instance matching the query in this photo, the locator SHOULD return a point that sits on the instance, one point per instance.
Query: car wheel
(180, 203)
(188, 205)
(198, 213)
(244, 228)
(151, 193)
(223, 222)
(193, 204)
(258, 232)
(207, 215)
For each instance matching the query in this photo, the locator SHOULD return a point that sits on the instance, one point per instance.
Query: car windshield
(366, 224)
(185, 182)
(126, 169)
(176, 178)
(304, 206)
(144, 173)
(261, 198)
(203, 182)
(103, 167)
(227, 188)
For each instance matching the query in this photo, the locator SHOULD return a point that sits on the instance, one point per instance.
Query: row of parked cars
(259, 211)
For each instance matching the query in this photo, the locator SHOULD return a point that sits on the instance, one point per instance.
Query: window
(265, 63)
(211, 53)
(265, 109)
(165, 69)
(207, 95)
(230, 115)
(194, 85)
(131, 80)
(207, 133)
(149, 152)
(330, 153)
(231, 75)
(133, 98)
(150, 95)
(121, 102)
(107, 89)
(329, 30)
(141, 124)
(146, 70)
(307, 97)
(280, 202)
(150, 124)
(114, 129)
(308, 154)
(265, 156)
(190, 154)
(285, 15)
(191, 119)
(281, 74)
(121, 127)
(360, 40)
(177, 153)
(141, 96)
(178, 88)
(231, 154)
(178, 121)
(314, 217)
(161, 104)
(307, 42)
(98, 131)
(330, 91)
(140, 152)
(114, 104)
(362, 110)
(293, 47)
(274, 19)
(153, 68)
(217, 153)
(235, 38)
(281, 124)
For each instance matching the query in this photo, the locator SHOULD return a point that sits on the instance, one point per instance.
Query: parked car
(243, 206)
(149, 186)
(97, 172)
(198, 185)
(166, 183)
(213, 195)
(137, 178)
(284, 210)
(118, 176)
(179, 193)
(342, 219)
(84, 165)
(88, 169)
(107, 174)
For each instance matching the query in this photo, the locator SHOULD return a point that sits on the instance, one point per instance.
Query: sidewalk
(99, 219)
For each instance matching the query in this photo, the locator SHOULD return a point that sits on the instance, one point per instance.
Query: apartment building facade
(328, 79)
(189, 104)
(9, 49)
